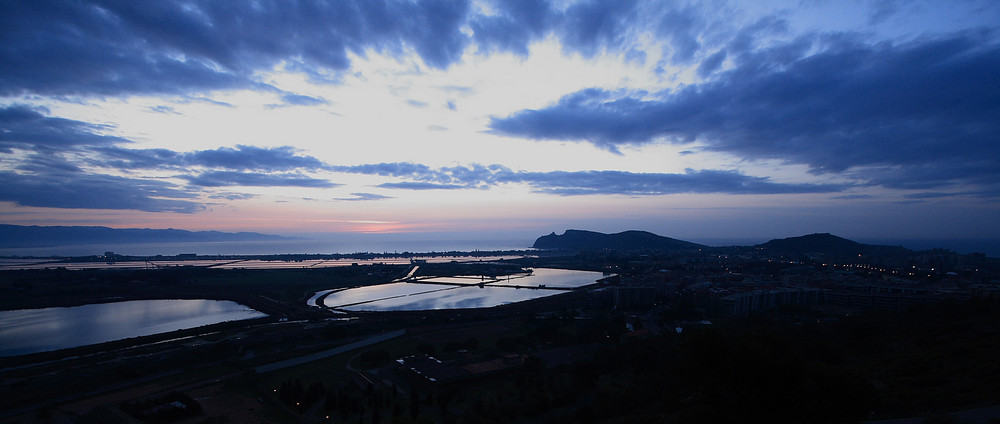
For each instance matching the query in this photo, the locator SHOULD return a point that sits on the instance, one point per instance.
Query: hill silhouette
(819, 243)
(626, 240)
(825, 243)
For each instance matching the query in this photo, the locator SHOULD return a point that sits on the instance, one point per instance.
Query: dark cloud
(61, 162)
(29, 128)
(364, 196)
(394, 169)
(253, 179)
(47, 139)
(93, 191)
(515, 25)
(46, 163)
(416, 185)
(303, 100)
(254, 158)
(428, 178)
(854, 197)
(202, 99)
(933, 175)
(604, 118)
(932, 103)
(164, 109)
(711, 64)
(434, 29)
(107, 47)
(89, 48)
(934, 195)
(122, 158)
(590, 27)
(593, 26)
(233, 196)
(241, 158)
(568, 183)
(682, 27)
(646, 184)
(112, 48)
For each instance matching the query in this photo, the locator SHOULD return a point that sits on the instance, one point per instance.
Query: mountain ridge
(825, 243)
(625, 240)
(816, 243)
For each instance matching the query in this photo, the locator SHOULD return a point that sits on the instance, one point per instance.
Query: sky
(696, 120)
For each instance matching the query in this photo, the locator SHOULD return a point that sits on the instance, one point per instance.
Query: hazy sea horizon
(387, 244)
(272, 247)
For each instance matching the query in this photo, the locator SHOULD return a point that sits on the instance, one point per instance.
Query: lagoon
(39, 330)
(462, 292)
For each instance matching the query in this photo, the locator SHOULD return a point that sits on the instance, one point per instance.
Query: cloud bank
(916, 113)
(62, 163)
(95, 191)
(576, 183)
(121, 48)
(913, 115)
(110, 48)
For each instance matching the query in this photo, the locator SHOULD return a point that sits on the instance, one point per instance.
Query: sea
(385, 244)
(276, 247)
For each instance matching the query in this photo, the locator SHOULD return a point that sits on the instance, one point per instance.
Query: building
(628, 297)
(745, 303)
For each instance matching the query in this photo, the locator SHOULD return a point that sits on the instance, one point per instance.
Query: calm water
(343, 245)
(39, 330)
(398, 243)
(48, 263)
(443, 293)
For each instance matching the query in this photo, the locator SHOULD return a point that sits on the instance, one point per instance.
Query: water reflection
(446, 293)
(230, 263)
(381, 292)
(39, 330)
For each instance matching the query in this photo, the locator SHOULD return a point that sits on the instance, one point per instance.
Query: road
(328, 353)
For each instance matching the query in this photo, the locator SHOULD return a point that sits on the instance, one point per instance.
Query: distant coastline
(388, 245)
(216, 243)
(277, 247)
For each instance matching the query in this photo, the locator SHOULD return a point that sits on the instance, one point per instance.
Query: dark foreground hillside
(924, 362)
(563, 359)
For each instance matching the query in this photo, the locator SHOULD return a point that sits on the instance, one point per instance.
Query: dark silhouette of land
(811, 329)
(627, 240)
(811, 244)
(828, 244)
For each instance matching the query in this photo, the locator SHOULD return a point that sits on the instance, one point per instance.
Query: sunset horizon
(869, 120)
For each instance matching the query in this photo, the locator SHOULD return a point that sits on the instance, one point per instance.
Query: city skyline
(867, 119)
